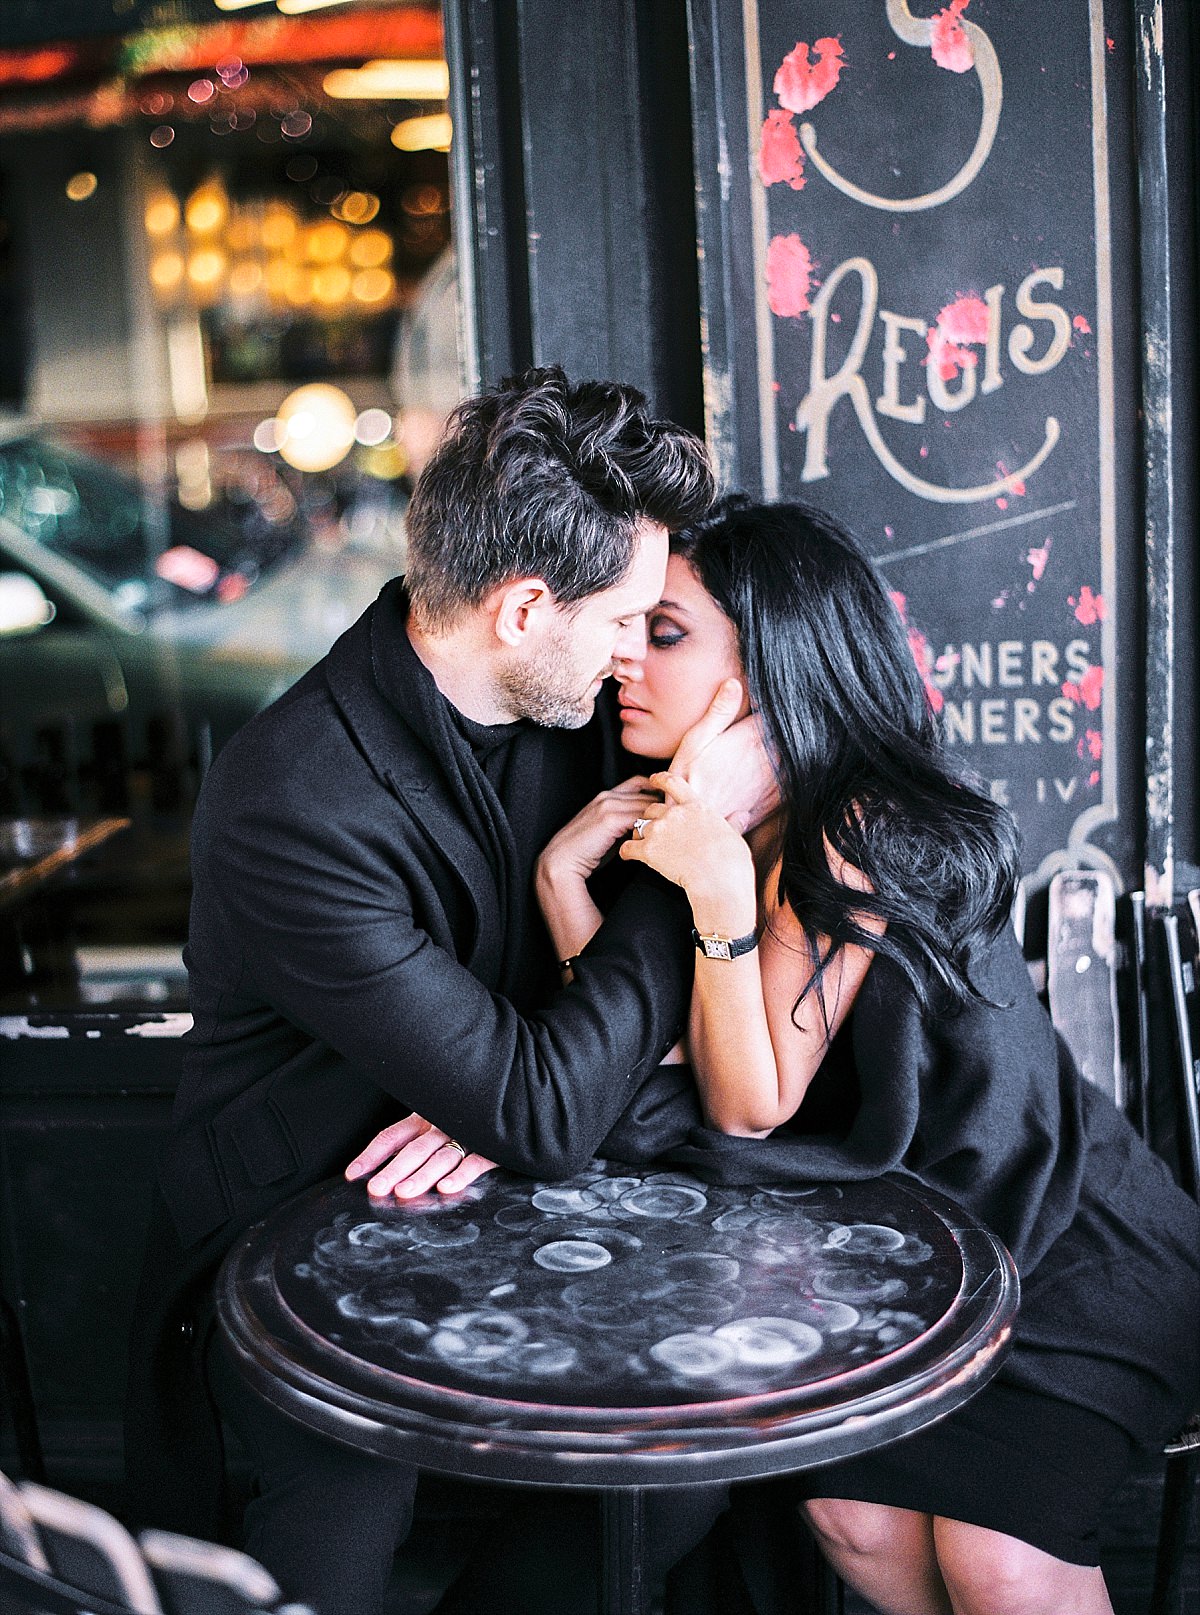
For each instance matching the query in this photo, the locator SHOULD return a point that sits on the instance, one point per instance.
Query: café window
(229, 340)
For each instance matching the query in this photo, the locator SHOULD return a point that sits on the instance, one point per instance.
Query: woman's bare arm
(753, 1061)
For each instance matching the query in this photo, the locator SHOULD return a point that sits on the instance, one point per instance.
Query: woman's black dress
(986, 1104)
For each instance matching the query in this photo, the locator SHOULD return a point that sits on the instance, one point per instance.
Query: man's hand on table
(411, 1157)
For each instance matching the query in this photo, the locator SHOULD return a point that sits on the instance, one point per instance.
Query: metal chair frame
(62, 1556)
(1088, 999)
(1182, 953)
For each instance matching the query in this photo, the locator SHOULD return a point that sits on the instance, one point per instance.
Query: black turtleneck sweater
(530, 782)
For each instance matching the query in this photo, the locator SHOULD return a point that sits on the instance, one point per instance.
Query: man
(364, 941)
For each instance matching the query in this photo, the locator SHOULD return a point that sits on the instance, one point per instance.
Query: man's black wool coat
(352, 885)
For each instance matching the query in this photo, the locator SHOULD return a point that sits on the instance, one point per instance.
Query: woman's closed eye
(663, 633)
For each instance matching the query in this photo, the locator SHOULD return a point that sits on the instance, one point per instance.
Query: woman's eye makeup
(665, 632)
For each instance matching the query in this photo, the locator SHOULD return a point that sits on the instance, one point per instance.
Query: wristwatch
(717, 946)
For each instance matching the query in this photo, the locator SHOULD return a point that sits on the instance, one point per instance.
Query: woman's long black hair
(860, 760)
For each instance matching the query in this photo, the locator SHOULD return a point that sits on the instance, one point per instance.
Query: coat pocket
(255, 1143)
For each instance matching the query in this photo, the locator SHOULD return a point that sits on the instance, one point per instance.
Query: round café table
(627, 1328)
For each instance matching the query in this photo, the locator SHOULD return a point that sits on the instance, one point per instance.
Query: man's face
(557, 681)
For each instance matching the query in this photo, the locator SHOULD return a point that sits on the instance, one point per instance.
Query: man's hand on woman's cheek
(411, 1157)
(724, 759)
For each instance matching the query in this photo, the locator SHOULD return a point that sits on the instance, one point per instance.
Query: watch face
(716, 947)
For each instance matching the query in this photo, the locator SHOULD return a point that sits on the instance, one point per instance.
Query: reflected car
(137, 633)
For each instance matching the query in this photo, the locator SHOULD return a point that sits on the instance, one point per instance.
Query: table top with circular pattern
(626, 1327)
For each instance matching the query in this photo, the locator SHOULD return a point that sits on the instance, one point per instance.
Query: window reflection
(224, 251)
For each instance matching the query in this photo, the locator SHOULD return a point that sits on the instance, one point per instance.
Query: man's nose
(631, 642)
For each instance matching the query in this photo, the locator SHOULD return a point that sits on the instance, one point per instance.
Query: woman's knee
(989, 1573)
(864, 1530)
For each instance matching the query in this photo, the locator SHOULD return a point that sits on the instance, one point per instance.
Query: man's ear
(519, 609)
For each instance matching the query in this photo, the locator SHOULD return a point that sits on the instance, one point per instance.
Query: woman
(872, 1010)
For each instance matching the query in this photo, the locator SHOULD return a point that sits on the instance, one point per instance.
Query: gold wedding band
(639, 828)
(453, 1144)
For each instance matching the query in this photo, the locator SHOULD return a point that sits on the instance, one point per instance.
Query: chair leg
(1178, 1487)
(14, 1376)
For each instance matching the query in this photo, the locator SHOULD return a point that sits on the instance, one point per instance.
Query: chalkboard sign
(906, 270)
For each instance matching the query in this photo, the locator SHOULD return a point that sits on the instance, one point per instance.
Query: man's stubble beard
(534, 689)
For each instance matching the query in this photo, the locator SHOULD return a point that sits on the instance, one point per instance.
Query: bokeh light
(206, 267)
(400, 80)
(356, 207)
(206, 210)
(373, 286)
(331, 285)
(166, 271)
(162, 214)
(373, 426)
(269, 436)
(318, 425)
(370, 249)
(327, 241)
(430, 133)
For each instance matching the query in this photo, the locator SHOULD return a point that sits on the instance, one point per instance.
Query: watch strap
(716, 946)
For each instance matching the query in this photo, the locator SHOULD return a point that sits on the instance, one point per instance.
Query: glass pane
(228, 341)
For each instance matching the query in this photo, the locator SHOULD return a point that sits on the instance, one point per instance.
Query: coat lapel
(409, 769)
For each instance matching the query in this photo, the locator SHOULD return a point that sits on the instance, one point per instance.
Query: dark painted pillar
(574, 191)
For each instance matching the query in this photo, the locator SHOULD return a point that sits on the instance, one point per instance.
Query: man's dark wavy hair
(542, 477)
(860, 760)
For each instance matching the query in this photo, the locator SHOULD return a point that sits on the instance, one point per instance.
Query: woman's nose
(626, 671)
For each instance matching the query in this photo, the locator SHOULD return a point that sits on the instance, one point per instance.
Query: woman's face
(692, 650)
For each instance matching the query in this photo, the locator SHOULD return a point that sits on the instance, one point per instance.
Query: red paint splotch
(963, 321)
(789, 276)
(1088, 691)
(1089, 607)
(779, 156)
(1094, 777)
(1038, 558)
(1081, 324)
(922, 655)
(1091, 742)
(950, 45)
(1018, 488)
(801, 83)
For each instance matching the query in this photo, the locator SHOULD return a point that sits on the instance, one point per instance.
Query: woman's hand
(560, 880)
(579, 846)
(690, 844)
(411, 1157)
